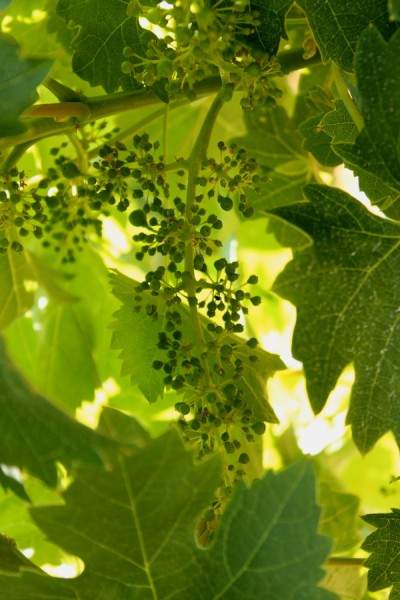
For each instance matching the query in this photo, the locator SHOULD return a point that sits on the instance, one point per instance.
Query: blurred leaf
(347, 307)
(66, 367)
(337, 25)
(35, 434)
(10, 483)
(339, 518)
(383, 544)
(11, 559)
(346, 582)
(4, 4)
(16, 294)
(19, 79)
(394, 10)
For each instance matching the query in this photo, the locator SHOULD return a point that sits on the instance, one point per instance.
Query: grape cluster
(202, 40)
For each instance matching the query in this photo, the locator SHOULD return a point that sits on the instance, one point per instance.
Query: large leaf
(337, 25)
(35, 434)
(136, 334)
(376, 150)
(347, 301)
(271, 27)
(145, 547)
(384, 545)
(19, 79)
(103, 30)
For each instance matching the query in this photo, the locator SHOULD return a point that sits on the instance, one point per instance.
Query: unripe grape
(138, 218)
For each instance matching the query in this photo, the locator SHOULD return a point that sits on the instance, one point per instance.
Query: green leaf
(139, 351)
(394, 10)
(274, 524)
(19, 79)
(35, 434)
(4, 4)
(375, 154)
(338, 124)
(16, 294)
(318, 142)
(271, 27)
(11, 559)
(66, 366)
(145, 547)
(347, 307)
(383, 544)
(103, 29)
(10, 483)
(337, 25)
(339, 518)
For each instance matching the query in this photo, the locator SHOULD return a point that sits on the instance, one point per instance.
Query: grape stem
(197, 155)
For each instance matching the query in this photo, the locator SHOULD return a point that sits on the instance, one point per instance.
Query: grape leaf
(318, 142)
(338, 124)
(271, 27)
(19, 79)
(66, 367)
(11, 559)
(339, 517)
(337, 25)
(347, 307)
(375, 152)
(384, 546)
(103, 30)
(35, 434)
(10, 483)
(16, 295)
(140, 350)
(145, 547)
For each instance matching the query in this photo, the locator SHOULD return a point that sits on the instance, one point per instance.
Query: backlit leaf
(347, 307)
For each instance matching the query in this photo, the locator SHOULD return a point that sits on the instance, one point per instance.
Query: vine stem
(339, 561)
(46, 120)
(344, 94)
(197, 155)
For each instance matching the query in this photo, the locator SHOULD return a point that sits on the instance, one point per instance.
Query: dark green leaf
(375, 154)
(347, 307)
(280, 551)
(337, 25)
(19, 79)
(8, 482)
(271, 26)
(35, 434)
(383, 544)
(103, 30)
(11, 559)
